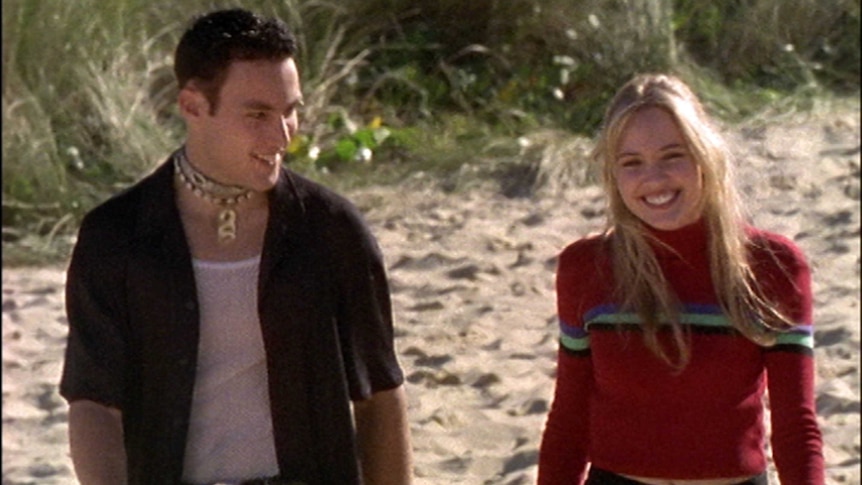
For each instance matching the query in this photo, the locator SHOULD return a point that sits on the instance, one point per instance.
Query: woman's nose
(655, 172)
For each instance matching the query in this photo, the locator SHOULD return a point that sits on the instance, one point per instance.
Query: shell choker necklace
(224, 196)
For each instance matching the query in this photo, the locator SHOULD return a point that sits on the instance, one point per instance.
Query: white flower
(314, 152)
(364, 154)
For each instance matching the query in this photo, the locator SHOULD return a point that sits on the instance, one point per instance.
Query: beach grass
(450, 90)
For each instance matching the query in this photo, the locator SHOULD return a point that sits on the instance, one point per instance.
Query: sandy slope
(472, 283)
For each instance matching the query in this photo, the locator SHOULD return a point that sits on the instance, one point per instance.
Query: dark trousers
(598, 476)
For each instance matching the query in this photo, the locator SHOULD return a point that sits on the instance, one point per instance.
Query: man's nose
(282, 132)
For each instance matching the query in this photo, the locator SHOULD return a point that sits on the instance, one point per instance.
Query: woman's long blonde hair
(640, 284)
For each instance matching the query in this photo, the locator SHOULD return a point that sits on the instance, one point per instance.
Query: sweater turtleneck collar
(688, 242)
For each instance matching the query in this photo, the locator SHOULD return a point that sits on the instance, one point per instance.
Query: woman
(672, 319)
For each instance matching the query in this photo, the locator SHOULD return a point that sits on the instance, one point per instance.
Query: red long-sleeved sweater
(618, 406)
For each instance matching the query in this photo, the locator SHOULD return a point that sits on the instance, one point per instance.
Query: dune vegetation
(394, 88)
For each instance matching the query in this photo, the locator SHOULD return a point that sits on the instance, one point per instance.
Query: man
(224, 313)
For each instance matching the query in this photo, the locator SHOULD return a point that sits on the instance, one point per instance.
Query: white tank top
(230, 434)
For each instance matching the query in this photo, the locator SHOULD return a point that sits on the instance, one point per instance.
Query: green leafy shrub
(393, 87)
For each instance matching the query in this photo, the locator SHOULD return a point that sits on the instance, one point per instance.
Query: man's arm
(383, 436)
(96, 443)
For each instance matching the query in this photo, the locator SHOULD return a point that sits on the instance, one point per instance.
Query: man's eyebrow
(264, 106)
(256, 104)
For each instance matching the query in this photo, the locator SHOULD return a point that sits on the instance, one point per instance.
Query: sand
(472, 287)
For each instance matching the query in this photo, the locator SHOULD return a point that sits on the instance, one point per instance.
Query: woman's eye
(675, 156)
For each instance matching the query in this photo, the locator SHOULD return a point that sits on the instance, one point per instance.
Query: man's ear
(192, 103)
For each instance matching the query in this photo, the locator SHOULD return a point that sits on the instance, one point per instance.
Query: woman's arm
(797, 443)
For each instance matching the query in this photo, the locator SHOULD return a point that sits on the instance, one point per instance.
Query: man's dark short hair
(214, 40)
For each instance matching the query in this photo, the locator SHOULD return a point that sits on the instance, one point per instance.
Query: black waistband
(271, 481)
(268, 481)
(598, 476)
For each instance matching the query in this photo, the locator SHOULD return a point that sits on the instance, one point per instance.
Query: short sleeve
(364, 313)
(95, 351)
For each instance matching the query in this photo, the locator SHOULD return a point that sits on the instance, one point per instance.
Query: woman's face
(656, 177)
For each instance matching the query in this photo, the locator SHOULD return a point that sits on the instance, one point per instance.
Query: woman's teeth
(659, 199)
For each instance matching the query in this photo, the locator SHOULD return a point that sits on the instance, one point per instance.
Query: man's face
(243, 140)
